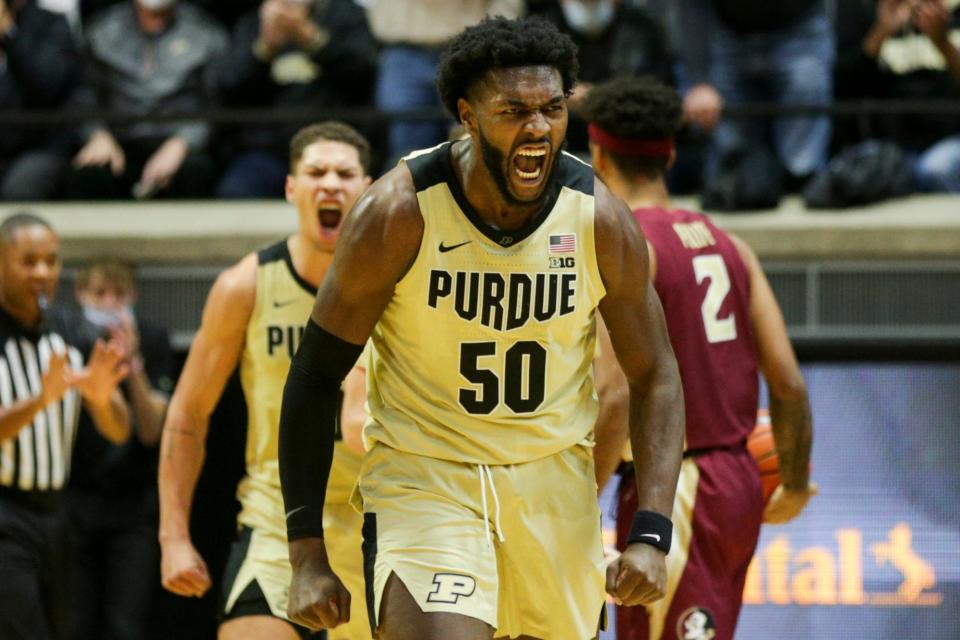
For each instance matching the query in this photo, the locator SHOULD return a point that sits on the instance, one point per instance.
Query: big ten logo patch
(450, 587)
(696, 623)
(562, 262)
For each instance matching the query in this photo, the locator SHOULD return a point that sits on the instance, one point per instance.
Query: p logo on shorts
(450, 586)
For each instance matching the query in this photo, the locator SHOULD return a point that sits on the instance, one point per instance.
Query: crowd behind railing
(116, 99)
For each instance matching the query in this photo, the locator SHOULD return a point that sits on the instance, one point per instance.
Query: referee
(43, 380)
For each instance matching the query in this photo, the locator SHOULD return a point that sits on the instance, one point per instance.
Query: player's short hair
(635, 109)
(18, 220)
(117, 272)
(499, 43)
(331, 131)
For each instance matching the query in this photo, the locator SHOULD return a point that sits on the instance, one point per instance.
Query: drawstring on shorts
(486, 477)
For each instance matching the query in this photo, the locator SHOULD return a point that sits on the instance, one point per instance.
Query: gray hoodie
(133, 72)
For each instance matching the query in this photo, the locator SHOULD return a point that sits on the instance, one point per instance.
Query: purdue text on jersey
(504, 301)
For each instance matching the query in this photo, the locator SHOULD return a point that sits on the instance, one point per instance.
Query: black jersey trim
(575, 174)
(280, 251)
(499, 236)
(427, 168)
(436, 166)
(368, 548)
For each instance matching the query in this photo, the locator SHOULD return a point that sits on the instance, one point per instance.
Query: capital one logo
(449, 587)
(918, 574)
(820, 575)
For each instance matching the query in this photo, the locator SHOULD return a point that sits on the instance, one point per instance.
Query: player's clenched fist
(318, 599)
(182, 570)
(638, 575)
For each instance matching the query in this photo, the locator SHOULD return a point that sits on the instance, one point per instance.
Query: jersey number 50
(712, 267)
(524, 372)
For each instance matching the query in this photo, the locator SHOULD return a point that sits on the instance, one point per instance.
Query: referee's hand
(182, 569)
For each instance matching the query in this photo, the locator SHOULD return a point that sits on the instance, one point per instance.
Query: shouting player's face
(519, 116)
(327, 181)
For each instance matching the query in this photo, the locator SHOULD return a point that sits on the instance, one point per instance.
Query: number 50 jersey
(484, 353)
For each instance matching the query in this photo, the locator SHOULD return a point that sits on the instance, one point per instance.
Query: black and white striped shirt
(37, 458)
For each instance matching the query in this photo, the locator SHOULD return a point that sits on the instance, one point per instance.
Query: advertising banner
(877, 554)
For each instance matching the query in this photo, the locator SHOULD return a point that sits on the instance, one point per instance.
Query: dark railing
(260, 116)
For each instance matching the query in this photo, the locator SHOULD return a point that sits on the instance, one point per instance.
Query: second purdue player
(477, 269)
(254, 317)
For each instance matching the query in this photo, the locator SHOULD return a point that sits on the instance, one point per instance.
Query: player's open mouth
(329, 215)
(528, 163)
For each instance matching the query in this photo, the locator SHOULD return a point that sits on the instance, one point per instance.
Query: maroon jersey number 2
(712, 268)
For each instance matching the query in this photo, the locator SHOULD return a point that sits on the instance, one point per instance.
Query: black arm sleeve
(308, 419)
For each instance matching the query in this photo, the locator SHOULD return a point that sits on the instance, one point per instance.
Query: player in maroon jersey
(725, 326)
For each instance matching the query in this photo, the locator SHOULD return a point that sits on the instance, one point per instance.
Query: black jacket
(39, 66)
(754, 16)
(340, 74)
(901, 74)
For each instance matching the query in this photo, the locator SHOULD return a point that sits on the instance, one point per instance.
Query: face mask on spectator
(156, 5)
(105, 318)
(589, 17)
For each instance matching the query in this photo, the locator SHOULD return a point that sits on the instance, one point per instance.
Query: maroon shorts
(716, 517)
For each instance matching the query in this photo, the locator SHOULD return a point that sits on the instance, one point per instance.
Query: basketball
(764, 452)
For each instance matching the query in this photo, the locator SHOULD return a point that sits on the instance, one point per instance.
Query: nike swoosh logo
(655, 536)
(293, 511)
(277, 304)
(444, 249)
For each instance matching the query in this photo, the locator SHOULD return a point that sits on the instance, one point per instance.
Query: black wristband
(650, 527)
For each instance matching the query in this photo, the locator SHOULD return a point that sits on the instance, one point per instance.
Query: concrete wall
(216, 233)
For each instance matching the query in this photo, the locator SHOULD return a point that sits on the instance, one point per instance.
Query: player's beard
(496, 165)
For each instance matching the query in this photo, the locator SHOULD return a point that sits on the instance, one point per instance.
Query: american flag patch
(563, 243)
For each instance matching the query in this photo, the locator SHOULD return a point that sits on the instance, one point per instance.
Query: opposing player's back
(705, 288)
(725, 327)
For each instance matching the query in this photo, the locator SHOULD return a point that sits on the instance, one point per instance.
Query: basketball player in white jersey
(476, 269)
(253, 318)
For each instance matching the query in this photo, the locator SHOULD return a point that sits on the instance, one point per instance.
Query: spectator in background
(413, 33)
(69, 9)
(909, 50)
(227, 12)
(112, 497)
(748, 51)
(145, 58)
(291, 53)
(42, 382)
(614, 38)
(38, 69)
(855, 76)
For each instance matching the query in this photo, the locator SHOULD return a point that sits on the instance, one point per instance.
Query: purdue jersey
(483, 355)
(282, 306)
